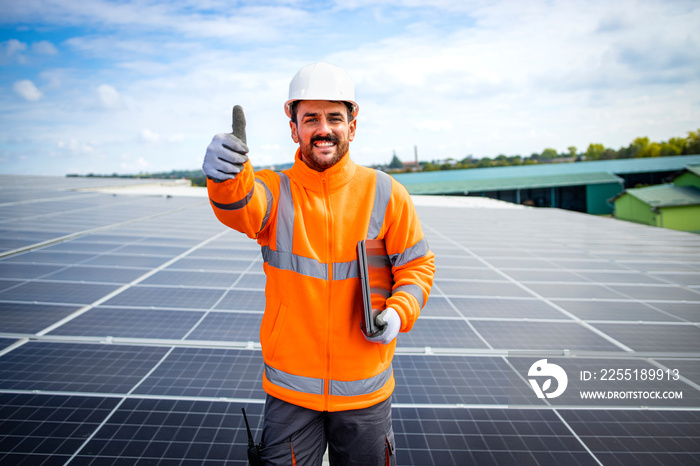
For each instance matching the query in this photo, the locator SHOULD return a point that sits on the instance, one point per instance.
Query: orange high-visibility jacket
(308, 224)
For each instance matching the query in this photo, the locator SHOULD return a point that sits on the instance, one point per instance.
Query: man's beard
(307, 155)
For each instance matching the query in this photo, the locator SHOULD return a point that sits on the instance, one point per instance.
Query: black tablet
(376, 281)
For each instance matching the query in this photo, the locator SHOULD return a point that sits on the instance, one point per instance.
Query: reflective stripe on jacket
(308, 225)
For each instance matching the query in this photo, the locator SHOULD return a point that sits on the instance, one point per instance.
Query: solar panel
(638, 436)
(167, 297)
(77, 367)
(486, 436)
(5, 342)
(31, 317)
(127, 260)
(542, 336)
(228, 326)
(452, 380)
(118, 275)
(18, 270)
(441, 333)
(601, 310)
(655, 337)
(46, 429)
(146, 323)
(193, 278)
(439, 306)
(46, 257)
(684, 311)
(207, 373)
(212, 264)
(54, 292)
(143, 431)
(498, 307)
(243, 300)
(129, 334)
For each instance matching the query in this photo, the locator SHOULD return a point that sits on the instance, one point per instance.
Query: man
(326, 382)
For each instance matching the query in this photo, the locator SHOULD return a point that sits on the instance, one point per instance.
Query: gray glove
(390, 320)
(227, 152)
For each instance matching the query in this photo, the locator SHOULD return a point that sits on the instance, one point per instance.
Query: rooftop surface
(513, 182)
(667, 195)
(129, 327)
(694, 169)
(539, 175)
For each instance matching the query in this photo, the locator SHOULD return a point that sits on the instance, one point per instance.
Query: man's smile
(325, 142)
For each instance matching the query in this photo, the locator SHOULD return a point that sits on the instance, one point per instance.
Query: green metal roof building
(674, 205)
(581, 186)
(689, 177)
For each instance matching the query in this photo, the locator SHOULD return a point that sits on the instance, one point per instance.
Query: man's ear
(352, 127)
(295, 136)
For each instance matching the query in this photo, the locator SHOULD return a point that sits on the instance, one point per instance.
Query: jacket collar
(335, 177)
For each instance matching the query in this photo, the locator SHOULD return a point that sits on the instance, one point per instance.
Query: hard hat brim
(288, 106)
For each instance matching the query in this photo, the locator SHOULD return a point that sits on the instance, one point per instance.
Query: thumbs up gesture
(226, 153)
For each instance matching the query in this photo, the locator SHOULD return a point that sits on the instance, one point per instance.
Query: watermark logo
(542, 370)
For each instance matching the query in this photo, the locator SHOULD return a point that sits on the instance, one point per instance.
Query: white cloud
(44, 48)
(12, 51)
(16, 51)
(12, 47)
(54, 78)
(149, 136)
(28, 90)
(108, 95)
(245, 22)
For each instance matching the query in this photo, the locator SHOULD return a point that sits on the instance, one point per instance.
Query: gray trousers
(293, 435)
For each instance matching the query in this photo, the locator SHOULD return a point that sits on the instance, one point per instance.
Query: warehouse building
(583, 186)
(673, 205)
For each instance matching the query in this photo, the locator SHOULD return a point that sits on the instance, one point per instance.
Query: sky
(142, 86)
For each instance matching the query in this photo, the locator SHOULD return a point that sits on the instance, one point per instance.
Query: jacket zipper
(329, 320)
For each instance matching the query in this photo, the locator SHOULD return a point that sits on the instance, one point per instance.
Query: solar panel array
(129, 335)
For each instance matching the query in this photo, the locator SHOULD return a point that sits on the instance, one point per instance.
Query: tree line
(639, 147)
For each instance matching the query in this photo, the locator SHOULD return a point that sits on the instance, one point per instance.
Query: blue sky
(142, 86)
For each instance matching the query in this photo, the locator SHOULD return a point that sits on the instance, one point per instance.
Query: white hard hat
(321, 81)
